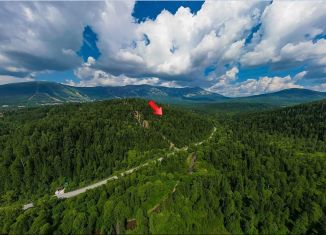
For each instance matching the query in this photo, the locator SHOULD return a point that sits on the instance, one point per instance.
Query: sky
(234, 48)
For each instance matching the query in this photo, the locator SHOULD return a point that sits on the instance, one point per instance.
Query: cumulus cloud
(91, 76)
(171, 50)
(255, 86)
(5, 79)
(286, 36)
(45, 36)
(320, 87)
(184, 44)
(230, 75)
(36, 36)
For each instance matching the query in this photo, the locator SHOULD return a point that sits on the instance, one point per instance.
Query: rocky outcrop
(140, 119)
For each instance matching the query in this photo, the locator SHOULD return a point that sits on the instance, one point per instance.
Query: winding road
(76, 192)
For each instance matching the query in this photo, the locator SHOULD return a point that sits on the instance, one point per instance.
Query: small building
(27, 206)
(59, 192)
(131, 224)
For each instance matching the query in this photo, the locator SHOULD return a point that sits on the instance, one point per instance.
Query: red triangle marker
(156, 110)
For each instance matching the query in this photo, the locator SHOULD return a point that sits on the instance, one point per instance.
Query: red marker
(156, 110)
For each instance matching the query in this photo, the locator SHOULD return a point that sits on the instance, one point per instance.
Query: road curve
(76, 192)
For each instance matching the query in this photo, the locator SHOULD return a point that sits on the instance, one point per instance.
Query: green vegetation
(260, 173)
(230, 107)
(44, 148)
(301, 121)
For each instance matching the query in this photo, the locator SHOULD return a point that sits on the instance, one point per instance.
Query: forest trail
(193, 158)
(79, 191)
(156, 208)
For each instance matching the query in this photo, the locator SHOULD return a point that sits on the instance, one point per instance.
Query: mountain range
(285, 97)
(48, 93)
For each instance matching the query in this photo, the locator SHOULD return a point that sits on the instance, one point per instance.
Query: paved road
(76, 192)
(82, 190)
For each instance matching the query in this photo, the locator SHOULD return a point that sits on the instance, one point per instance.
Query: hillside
(46, 147)
(285, 97)
(259, 173)
(38, 93)
(47, 93)
(246, 179)
(230, 107)
(305, 120)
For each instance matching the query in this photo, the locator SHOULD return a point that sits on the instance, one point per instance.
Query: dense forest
(260, 173)
(230, 108)
(307, 121)
(303, 125)
(45, 148)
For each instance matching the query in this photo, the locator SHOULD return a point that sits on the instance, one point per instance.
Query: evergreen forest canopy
(44, 148)
(260, 173)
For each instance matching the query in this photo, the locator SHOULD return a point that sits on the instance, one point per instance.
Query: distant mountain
(47, 93)
(41, 93)
(262, 102)
(285, 97)
(163, 94)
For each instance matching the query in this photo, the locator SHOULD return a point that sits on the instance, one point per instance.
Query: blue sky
(233, 48)
(151, 9)
(142, 11)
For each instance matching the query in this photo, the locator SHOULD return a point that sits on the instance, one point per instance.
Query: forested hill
(254, 175)
(305, 121)
(285, 97)
(43, 148)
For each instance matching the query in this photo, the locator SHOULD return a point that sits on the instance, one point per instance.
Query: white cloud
(184, 44)
(34, 35)
(101, 78)
(321, 87)
(304, 51)
(229, 76)
(284, 24)
(68, 52)
(256, 86)
(44, 36)
(5, 79)
(91, 76)
(15, 69)
(300, 75)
